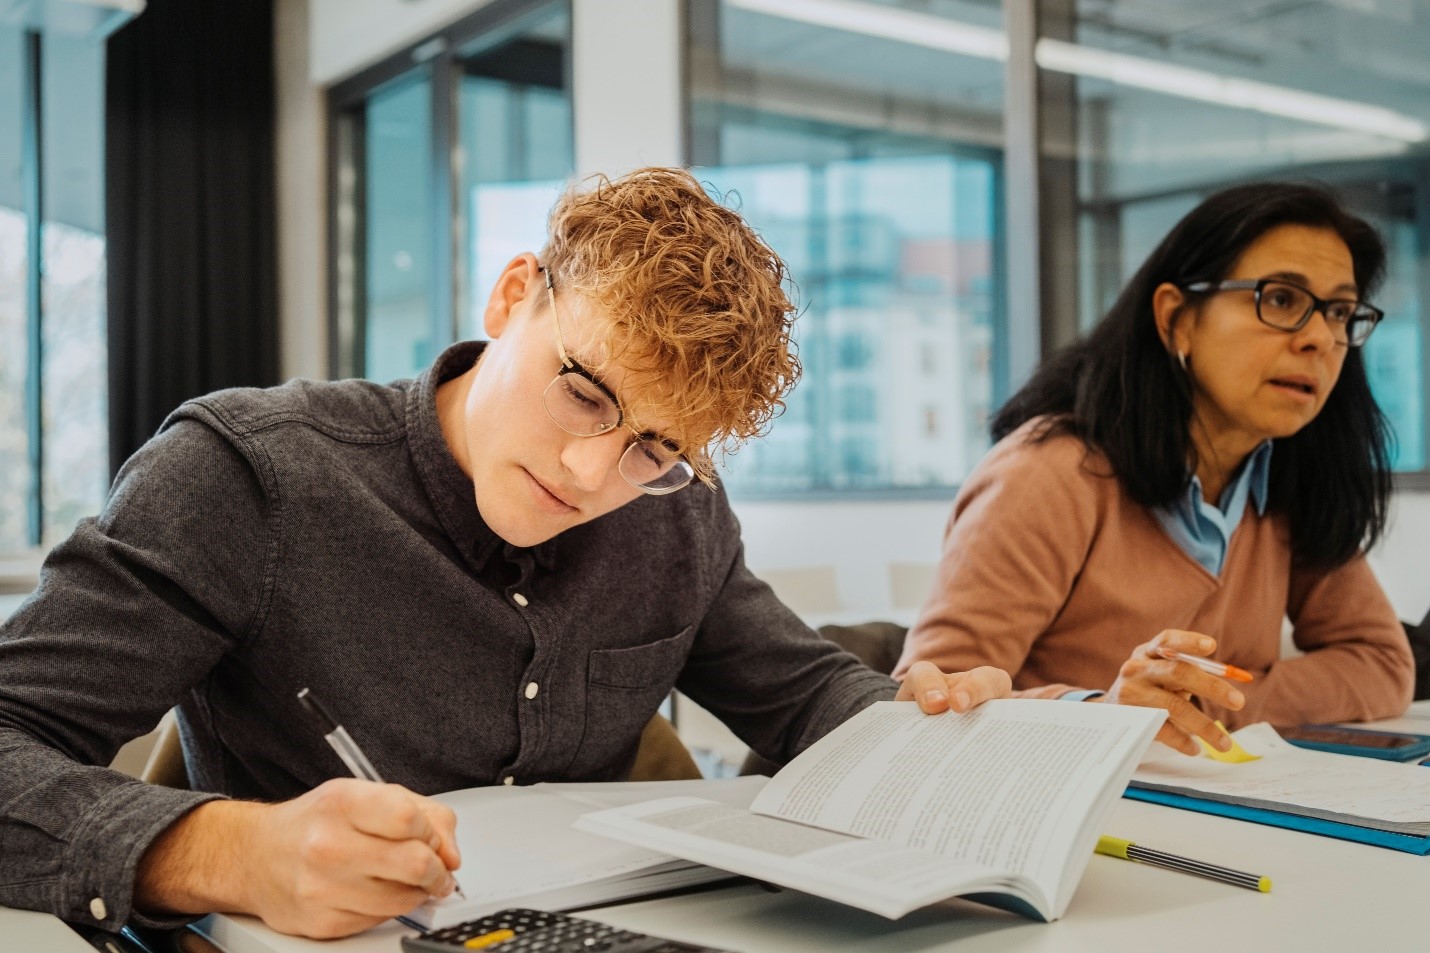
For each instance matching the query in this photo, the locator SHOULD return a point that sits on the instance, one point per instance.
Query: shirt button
(518, 598)
(508, 780)
(97, 909)
(531, 689)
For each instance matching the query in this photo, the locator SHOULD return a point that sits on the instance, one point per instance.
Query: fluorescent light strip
(938, 33)
(1227, 90)
(889, 23)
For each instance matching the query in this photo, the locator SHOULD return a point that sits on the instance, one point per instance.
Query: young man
(491, 575)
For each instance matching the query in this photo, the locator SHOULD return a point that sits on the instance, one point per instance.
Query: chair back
(662, 756)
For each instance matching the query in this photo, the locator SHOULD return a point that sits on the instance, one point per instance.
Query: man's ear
(1167, 300)
(520, 277)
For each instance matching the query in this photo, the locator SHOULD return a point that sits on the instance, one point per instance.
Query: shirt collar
(1255, 472)
(448, 487)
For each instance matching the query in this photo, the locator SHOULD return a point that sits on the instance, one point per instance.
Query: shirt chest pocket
(624, 687)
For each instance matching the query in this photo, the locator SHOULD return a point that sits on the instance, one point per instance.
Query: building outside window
(873, 166)
(53, 427)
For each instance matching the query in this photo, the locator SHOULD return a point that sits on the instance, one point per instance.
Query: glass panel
(400, 231)
(75, 424)
(868, 152)
(14, 269)
(514, 122)
(1215, 93)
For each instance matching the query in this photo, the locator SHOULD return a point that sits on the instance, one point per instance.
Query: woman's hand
(1149, 680)
(938, 691)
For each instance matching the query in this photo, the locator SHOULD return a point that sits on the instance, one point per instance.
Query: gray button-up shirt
(321, 535)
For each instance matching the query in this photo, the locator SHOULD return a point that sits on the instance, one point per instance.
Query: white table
(1328, 895)
(25, 930)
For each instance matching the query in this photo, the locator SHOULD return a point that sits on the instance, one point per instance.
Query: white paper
(873, 875)
(1007, 785)
(518, 846)
(1285, 775)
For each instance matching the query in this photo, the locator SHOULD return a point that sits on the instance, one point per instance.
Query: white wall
(1403, 561)
(861, 540)
(627, 87)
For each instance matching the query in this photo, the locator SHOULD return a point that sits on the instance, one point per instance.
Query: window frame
(439, 56)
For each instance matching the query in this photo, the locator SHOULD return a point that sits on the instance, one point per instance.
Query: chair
(807, 590)
(661, 756)
(876, 644)
(165, 766)
(1419, 636)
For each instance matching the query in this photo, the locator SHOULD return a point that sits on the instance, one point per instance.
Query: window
(1333, 92)
(53, 428)
(872, 166)
(74, 421)
(16, 474)
(876, 146)
(445, 171)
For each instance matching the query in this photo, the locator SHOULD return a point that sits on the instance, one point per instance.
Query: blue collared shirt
(1204, 531)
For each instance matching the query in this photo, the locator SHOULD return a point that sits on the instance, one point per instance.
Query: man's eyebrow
(585, 368)
(663, 439)
(1295, 277)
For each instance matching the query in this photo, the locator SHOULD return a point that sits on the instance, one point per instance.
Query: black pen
(337, 736)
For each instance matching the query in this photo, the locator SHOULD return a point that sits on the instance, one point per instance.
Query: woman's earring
(1182, 359)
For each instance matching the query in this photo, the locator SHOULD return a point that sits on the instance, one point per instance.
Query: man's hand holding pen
(350, 854)
(346, 856)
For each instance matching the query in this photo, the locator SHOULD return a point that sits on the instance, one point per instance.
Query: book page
(1340, 787)
(873, 875)
(1010, 785)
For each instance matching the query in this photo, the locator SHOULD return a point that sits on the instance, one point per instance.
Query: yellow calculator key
(489, 939)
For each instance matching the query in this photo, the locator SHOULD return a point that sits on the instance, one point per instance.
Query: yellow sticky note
(1237, 754)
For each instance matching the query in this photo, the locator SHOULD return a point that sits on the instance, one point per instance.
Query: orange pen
(1212, 666)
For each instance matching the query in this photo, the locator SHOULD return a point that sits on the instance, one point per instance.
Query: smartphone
(1386, 745)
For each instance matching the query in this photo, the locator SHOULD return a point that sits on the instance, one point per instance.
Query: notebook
(1383, 803)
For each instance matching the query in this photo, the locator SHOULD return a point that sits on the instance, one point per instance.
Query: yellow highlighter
(1117, 847)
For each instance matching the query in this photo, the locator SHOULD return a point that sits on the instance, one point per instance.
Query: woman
(1206, 462)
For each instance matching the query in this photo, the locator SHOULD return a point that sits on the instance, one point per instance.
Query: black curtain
(189, 166)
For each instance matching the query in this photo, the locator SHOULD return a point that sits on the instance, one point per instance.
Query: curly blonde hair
(695, 300)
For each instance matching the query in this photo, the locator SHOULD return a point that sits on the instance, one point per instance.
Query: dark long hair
(1122, 392)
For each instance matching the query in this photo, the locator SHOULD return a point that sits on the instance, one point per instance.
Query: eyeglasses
(584, 407)
(1289, 307)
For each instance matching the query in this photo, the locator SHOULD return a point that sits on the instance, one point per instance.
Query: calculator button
(488, 939)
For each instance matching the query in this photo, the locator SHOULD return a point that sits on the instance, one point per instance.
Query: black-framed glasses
(1288, 307)
(584, 407)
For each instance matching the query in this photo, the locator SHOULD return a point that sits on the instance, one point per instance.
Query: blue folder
(1296, 822)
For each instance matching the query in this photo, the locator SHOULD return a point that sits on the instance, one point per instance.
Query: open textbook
(1379, 802)
(895, 810)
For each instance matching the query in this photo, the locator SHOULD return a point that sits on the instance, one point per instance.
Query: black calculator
(537, 931)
